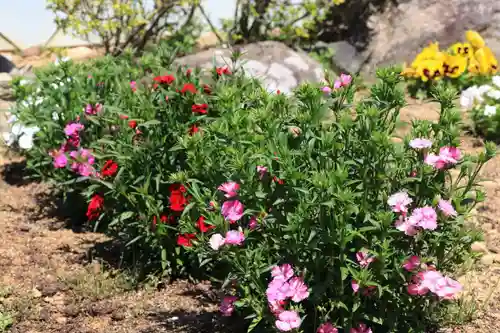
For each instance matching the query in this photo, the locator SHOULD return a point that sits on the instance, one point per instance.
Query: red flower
(203, 226)
(223, 70)
(188, 72)
(132, 124)
(109, 168)
(189, 87)
(164, 218)
(185, 240)
(279, 181)
(199, 108)
(206, 89)
(163, 79)
(177, 199)
(194, 129)
(95, 206)
(122, 116)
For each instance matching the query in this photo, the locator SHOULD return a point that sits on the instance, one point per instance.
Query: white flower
(12, 118)
(24, 82)
(216, 241)
(25, 141)
(495, 94)
(496, 80)
(490, 110)
(9, 138)
(469, 96)
(55, 116)
(484, 89)
(61, 60)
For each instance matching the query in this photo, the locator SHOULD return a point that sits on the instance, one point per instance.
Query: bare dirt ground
(49, 283)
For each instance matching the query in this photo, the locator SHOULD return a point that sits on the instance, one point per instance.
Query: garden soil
(50, 282)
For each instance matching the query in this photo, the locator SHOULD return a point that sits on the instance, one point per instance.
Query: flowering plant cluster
(482, 103)
(461, 64)
(305, 207)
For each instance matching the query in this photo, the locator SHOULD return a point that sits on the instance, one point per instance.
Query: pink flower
(262, 170)
(420, 143)
(403, 224)
(73, 129)
(411, 263)
(450, 154)
(216, 241)
(399, 202)
(364, 258)
(232, 210)
(93, 110)
(277, 290)
(133, 85)
(446, 288)
(368, 290)
(327, 328)
(446, 207)
(230, 188)
(234, 237)
(253, 224)
(435, 161)
(355, 286)
(276, 307)
(288, 320)
(83, 162)
(345, 79)
(326, 90)
(60, 159)
(337, 84)
(283, 272)
(362, 328)
(298, 290)
(424, 217)
(227, 305)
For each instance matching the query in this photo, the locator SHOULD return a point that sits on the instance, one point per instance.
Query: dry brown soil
(48, 282)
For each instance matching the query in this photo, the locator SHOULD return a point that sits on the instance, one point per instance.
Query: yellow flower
(454, 65)
(486, 60)
(431, 69)
(473, 66)
(430, 52)
(409, 72)
(463, 49)
(475, 39)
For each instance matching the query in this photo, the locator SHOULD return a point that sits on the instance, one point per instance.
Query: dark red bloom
(189, 87)
(165, 218)
(177, 199)
(223, 70)
(185, 240)
(203, 226)
(188, 72)
(200, 108)
(278, 91)
(206, 89)
(279, 181)
(95, 206)
(109, 168)
(132, 124)
(194, 129)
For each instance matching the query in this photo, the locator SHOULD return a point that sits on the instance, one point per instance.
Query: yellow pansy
(454, 65)
(473, 67)
(475, 39)
(428, 53)
(486, 60)
(463, 49)
(408, 72)
(431, 69)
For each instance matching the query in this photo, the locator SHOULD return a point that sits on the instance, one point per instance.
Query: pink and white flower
(425, 218)
(364, 259)
(411, 263)
(288, 320)
(327, 328)
(230, 188)
(232, 210)
(420, 143)
(446, 208)
(399, 202)
(234, 237)
(227, 305)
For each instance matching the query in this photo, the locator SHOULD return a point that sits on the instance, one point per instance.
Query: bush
(483, 101)
(461, 66)
(306, 208)
(122, 24)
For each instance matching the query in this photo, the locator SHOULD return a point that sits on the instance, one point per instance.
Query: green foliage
(121, 24)
(312, 176)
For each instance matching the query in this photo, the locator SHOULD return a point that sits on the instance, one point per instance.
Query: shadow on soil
(16, 174)
(190, 322)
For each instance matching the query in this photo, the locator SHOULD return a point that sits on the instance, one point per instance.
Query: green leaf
(254, 323)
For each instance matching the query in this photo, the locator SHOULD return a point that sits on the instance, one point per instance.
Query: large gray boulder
(279, 67)
(400, 32)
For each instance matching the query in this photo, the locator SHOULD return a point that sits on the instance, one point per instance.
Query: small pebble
(479, 247)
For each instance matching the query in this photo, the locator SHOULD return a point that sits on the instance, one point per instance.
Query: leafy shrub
(120, 24)
(462, 65)
(307, 208)
(483, 101)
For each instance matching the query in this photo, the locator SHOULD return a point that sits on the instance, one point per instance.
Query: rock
(280, 67)
(33, 51)
(71, 310)
(497, 258)
(50, 289)
(119, 315)
(81, 52)
(207, 40)
(479, 247)
(399, 33)
(6, 65)
(488, 259)
(5, 89)
(345, 59)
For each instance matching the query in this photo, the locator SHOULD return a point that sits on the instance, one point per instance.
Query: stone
(278, 66)
(81, 53)
(207, 40)
(346, 59)
(488, 259)
(33, 51)
(479, 247)
(399, 32)
(497, 258)
(6, 92)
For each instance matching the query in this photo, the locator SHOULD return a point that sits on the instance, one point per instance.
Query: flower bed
(304, 207)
